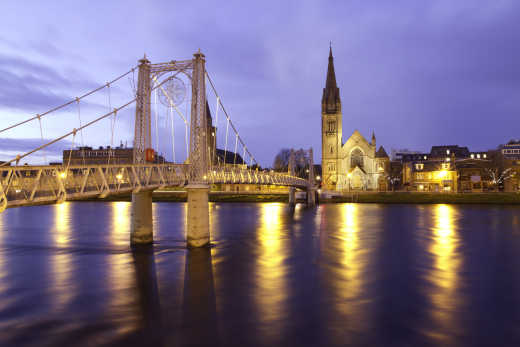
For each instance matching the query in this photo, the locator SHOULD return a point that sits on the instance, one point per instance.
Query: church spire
(330, 102)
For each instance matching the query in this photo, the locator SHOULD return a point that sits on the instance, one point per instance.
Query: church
(354, 165)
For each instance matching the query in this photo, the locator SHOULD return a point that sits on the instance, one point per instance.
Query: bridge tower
(142, 223)
(292, 172)
(198, 189)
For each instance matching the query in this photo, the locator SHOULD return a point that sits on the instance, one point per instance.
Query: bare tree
(499, 176)
(301, 160)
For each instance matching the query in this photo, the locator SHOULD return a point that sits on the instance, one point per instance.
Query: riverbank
(365, 197)
(428, 198)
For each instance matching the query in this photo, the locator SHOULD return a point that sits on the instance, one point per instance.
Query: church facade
(354, 165)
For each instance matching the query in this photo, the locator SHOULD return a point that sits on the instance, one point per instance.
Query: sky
(417, 73)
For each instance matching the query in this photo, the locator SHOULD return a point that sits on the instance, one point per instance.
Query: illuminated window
(448, 151)
(472, 156)
(447, 159)
(445, 166)
(356, 158)
(425, 157)
(484, 155)
(478, 156)
(419, 166)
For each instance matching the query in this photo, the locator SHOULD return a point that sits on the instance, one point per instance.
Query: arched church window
(332, 126)
(356, 158)
(331, 150)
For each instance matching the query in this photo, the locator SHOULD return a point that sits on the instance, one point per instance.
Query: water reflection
(270, 270)
(444, 273)
(148, 295)
(199, 318)
(351, 261)
(120, 268)
(121, 220)
(65, 287)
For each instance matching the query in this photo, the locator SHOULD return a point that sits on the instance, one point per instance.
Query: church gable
(357, 140)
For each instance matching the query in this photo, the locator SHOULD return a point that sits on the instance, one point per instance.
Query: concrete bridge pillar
(311, 197)
(311, 190)
(142, 220)
(198, 215)
(292, 196)
(292, 172)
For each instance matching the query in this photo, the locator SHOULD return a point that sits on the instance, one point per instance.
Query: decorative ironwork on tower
(198, 123)
(142, 134)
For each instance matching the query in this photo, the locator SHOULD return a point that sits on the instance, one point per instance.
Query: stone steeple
(330, 102)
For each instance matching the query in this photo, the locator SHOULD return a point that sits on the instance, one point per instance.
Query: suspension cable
(18, 157)
(173, 134)
(226, 114)
(67, 103)
(156, 122)
(41, 135)
(236, 143)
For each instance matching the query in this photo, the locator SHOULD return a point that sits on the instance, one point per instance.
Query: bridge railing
(28, 185)
(31, 185)
(239, 175)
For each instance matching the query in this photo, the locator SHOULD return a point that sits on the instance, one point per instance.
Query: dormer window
(419, 166)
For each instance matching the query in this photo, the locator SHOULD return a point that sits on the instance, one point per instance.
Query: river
(334, 275)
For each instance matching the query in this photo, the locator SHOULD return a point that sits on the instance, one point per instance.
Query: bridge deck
(32, 185)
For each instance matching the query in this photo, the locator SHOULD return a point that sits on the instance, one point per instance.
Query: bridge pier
(198, 215)
(142, 220)
(311, 197)
(292, 196)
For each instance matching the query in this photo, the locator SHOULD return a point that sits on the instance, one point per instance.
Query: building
(474, 175)
(447, 168)
(103, 155)
(511, 150)
(350, 165)
(430, 176)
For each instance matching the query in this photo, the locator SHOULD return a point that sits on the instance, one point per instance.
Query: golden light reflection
(349, 276)
(271, 270)
(121, 271)
(444, 274)
(120, 228)
(62, 260)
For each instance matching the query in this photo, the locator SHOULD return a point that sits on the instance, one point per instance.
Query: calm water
(345, 274)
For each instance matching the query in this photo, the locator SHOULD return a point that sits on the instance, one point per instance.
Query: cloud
(10, 148)
(418, 73)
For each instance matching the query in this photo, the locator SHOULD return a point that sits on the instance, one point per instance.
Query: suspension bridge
(26, 185)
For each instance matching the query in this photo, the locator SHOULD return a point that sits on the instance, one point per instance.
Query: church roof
(330, 100)
(381, 153)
